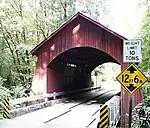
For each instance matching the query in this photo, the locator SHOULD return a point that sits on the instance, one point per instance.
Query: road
(81, 110)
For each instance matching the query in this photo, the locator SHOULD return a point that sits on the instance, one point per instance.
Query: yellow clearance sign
(131, 78)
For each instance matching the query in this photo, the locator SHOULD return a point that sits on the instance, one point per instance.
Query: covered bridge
(67, 57)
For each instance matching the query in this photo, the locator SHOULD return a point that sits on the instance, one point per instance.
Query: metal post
(130, 111)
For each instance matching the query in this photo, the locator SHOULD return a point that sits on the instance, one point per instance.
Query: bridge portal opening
(104, 76)
(71, 70)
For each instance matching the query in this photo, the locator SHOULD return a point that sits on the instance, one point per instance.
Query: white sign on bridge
(132, 52)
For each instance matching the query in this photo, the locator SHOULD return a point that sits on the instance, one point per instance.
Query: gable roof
(33, 51)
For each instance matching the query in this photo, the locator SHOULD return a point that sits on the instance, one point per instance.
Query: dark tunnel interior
(74, 67)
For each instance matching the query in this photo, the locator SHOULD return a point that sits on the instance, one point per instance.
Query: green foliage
(97, 9)
(146, 89)
(3, 90)
(145, 65)
(16, 78)
(144, 35)
(146, 92)
(147, 101)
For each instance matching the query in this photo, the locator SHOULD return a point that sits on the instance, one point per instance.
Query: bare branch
(41, 29)
(64, 8)
(9, 46)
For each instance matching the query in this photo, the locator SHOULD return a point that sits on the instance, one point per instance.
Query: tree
(144, 35)
(96, 9)
(145, 65)
(15, 64)
(145, 3)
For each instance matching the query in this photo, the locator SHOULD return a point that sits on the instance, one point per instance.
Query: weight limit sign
(132, 52)
(131, 78)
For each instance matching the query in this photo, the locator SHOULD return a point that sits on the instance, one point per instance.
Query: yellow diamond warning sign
(131, 78)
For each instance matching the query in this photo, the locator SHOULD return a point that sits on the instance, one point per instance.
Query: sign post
(130, 111)
(131, 79)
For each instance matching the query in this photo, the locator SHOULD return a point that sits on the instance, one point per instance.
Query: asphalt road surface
(78, 111)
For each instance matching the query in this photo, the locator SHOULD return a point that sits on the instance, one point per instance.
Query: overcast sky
(125, 17)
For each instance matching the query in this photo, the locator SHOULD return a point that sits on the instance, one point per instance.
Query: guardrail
(24, 105)
(22, 102)
(114, 110)
(114, 105)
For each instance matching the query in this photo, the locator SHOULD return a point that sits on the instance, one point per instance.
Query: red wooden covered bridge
(67, 57)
